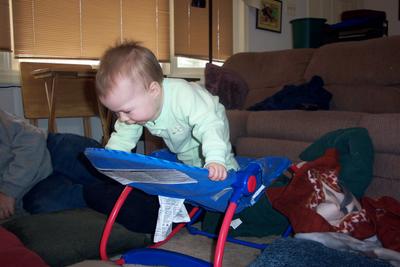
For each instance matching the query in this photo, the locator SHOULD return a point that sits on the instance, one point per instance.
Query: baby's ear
(155, 88)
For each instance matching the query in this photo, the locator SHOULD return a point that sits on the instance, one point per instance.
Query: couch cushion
(260, 147)
(365, 98)
(386, 179)
(363, 76)
(67, 237)
(237, 123)
(384, 130)
(270, 69)
(374, 61)
(298, 125)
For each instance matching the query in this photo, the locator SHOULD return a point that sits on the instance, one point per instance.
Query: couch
(364, 79)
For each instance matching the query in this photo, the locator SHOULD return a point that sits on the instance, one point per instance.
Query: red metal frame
(110, 221)
(219, 250)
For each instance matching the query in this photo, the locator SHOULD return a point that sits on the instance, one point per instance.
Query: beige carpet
(201, 247)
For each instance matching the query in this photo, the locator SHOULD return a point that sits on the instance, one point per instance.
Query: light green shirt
(192, 123)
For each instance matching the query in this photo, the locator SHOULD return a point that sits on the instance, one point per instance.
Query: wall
(261, 40)
(391, 7)
(331, 10)
(10, 99)
(10, 93)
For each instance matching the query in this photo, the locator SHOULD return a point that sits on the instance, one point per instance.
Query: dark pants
(139, 212)
(63, 189)
(75, 183)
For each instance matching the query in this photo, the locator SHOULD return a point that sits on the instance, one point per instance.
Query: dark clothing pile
(307, 96)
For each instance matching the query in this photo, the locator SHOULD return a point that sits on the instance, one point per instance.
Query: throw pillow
(356, 161)
(66, 237)
(227, 85)
(356, 156)
(315, 200)
(14, 253)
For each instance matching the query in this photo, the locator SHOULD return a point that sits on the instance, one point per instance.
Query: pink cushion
(13, 253)
(227, 85)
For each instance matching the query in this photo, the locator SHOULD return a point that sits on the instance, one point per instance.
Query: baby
(191, 121)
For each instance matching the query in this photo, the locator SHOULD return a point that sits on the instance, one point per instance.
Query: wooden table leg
(51, 102)
(87, 127)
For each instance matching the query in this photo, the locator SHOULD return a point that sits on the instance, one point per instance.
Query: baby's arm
(125, 136)
(210, 128)
(216, 171)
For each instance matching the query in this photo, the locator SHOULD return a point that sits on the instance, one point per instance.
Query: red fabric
(296, 199)
(14, 254)
(385, 215)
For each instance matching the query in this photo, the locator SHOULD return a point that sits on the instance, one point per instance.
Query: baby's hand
(216, 171)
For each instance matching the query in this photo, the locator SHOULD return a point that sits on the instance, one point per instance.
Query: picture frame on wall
(269, 18)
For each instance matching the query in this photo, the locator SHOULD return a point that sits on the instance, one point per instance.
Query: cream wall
(260, 40)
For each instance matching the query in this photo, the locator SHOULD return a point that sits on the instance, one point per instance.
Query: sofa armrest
(237, 124)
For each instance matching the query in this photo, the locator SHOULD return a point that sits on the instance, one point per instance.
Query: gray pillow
(67, 237)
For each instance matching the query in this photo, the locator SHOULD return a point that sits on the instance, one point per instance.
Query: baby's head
(129, 81)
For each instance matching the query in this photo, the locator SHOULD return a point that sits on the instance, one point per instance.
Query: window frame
(239, 37)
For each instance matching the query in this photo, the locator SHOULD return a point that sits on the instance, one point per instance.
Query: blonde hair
(127, 59)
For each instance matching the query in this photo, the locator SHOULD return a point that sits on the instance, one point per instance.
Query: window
(5, 37)
(191, 30)
(84, 29)
(191, 36)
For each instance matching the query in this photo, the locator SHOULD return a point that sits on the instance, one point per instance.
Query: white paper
(172, 210)
(236, 223)
(151, 176)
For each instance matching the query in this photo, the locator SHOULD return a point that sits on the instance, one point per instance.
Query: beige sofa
(364, 78)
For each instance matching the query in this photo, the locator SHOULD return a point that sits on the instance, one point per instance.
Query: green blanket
(356, 161)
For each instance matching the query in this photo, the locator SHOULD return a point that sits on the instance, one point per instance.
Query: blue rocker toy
(241, 189)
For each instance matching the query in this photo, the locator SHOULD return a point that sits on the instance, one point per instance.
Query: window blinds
(5, 38)
(191, 29)
(84, 29)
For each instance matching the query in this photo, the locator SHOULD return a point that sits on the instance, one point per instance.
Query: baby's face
(132, 102)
